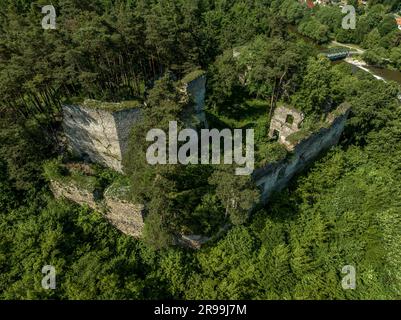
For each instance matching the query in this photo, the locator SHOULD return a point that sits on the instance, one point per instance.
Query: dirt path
(356, 49)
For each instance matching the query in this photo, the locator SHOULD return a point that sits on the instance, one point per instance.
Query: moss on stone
(339, 111)
(88, 183)
(119, 189)
(55, 170)
(193, 76)
(270, 152)
(298, 136)
(311, 125)
(111, 106)
(104, 105)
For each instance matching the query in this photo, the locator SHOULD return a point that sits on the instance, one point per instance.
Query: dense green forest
(344, 210)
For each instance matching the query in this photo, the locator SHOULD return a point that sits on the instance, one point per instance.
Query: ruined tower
(99, 131)
(285, 122)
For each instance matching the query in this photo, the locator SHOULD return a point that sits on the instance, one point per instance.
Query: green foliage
(315, 30)
(192, 76)
(270, 152)
(172, 194)
(54, 170)
(236, 193)
(120, 188)
(344, 211)
(75, 174)
(110, 106)
(314, 96)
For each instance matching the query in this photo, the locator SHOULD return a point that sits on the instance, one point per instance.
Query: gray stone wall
(124, 215)
(284, 128)
(74, 193)
(275, 176)
(98, 135)
(192, 241)
(124, 120)
(196, 90)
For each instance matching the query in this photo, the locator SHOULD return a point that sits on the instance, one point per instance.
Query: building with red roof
(398, 22)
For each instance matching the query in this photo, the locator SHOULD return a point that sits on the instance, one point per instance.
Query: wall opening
(289, 119)
(276, 135)
(281, 174)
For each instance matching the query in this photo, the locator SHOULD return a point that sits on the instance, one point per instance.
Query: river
(379, 73)
(386, 74)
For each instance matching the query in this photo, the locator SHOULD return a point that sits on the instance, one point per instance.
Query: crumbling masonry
(99, 132)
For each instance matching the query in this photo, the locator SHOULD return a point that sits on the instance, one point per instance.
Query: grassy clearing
(244, 115)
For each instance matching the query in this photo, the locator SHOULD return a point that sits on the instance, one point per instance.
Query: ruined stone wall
(275, 176)
(284, 128)
(124, 121)
(196, 90)
(99, 135)
(121, 213)
(74, 193)
(124, 215)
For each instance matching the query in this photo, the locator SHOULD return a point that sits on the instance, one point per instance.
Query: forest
(343, 210)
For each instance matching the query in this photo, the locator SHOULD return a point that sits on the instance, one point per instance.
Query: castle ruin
(285, 122)
(194, 90)
(99, 132)
(304, 146)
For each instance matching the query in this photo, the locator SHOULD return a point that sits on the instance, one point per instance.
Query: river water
(386, 74)
(379, 73)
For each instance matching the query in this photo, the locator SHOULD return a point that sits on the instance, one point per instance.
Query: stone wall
(124, 120)
(124, 215)
(285, 122)
(121, 213)
(195, 89)
(74, 193)
(192, 241)
(99, 135)
(275, 176)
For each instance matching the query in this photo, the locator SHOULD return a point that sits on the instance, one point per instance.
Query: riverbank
(382, 74)
(363, 66)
